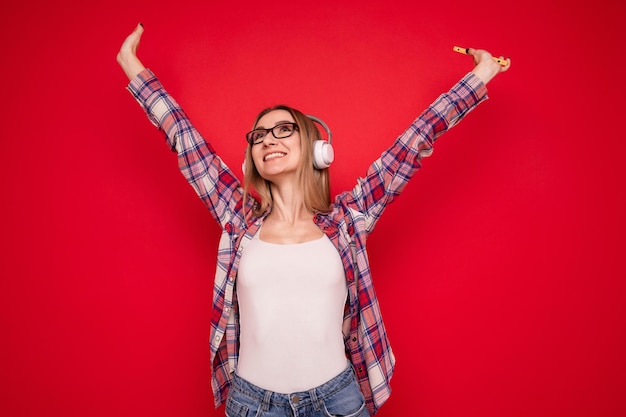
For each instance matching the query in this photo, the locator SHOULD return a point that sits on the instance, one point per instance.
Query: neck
(288, 204)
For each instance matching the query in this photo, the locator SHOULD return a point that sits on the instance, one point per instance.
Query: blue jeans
(340, 396)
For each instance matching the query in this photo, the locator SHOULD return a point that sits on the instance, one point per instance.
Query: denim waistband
(301, 398)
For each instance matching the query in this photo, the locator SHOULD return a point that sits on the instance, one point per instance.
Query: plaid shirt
(351, 219)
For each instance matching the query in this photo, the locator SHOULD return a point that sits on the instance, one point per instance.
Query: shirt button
(218, 338)
(227, 309)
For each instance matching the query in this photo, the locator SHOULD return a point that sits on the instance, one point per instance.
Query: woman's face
(273, 157)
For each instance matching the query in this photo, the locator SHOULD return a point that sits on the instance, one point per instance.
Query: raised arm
(205, 171)
(127, 56)
(388, 175)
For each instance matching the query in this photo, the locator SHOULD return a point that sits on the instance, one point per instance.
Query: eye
(285, 128)
(257, 135)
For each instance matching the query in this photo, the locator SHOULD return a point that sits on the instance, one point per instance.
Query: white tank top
(291, 303)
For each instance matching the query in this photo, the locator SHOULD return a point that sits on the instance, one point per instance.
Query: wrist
(486, 71)
(131, 65)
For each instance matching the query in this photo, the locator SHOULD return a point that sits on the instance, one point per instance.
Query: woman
(302, 329)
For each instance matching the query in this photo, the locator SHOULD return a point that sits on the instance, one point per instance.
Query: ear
(243, 164)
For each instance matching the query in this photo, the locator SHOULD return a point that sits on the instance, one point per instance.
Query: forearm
(486, 71)
(387, 177)
(164, 112)
(212, 180)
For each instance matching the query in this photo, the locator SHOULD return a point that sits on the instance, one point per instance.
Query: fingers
(507, 66)
(139, 29)
(132, 41)
(481, 55)
(127, 56)
(504, 63)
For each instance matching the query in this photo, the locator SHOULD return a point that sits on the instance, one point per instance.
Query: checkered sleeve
(212, 180)
(388, 175)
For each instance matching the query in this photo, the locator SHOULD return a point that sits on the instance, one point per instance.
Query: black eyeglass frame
(271, 129)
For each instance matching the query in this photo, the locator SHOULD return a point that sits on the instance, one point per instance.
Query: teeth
(273, 155)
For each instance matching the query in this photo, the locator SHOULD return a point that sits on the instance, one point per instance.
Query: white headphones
(323, 152)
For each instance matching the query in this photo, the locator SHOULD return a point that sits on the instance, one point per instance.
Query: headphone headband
(324, 125)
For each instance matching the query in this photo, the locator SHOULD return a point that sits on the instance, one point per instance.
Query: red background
(500, 271)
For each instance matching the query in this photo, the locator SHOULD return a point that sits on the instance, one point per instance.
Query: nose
(269, 140)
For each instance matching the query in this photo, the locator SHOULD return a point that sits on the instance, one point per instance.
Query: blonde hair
(315, 183)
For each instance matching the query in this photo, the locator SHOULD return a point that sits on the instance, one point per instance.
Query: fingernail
(140, 24)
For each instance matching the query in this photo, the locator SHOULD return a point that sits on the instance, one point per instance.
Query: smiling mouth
(273, 155)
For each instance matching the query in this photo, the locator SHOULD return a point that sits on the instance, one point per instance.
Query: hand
(486, 68)
(127, 56)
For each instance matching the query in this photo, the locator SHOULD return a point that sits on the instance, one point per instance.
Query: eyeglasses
(280, 131)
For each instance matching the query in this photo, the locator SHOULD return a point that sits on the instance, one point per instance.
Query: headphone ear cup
(323, 154)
